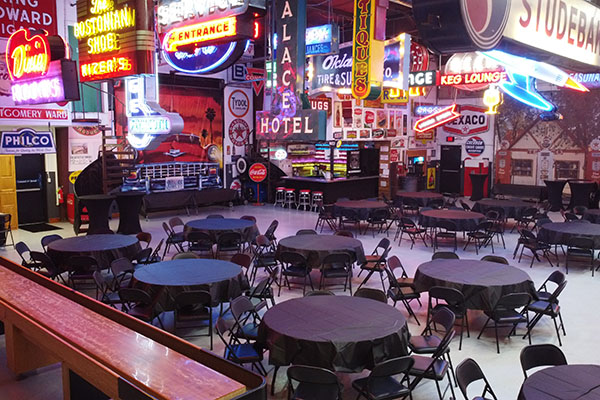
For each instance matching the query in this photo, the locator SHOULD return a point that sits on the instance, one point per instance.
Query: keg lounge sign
(116, 38)
(287, 120)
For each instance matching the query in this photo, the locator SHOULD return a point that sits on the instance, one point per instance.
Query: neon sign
(366, 80)
(422, 110)
(114, 41)
(200, 33)
(473, 78)
(521, 88)
(206, 59)
(38, 71)
(439, 118)
(492, 98)
(180, 11)
(323, 39)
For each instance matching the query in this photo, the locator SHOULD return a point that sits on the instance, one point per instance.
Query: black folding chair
(549, 308)
(382, 384)
(541, 355)
(313, 383)
(453, 300)
(508, 311)
(468, 372)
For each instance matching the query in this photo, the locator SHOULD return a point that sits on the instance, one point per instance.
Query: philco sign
(472, 120)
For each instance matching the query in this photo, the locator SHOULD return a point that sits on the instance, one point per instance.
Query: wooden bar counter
(104, 350)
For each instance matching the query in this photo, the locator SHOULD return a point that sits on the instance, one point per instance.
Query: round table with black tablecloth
(562, 232)
(218, 226)
(316, 247)
(555, 193)
(340, 333)
(563, 382)
(592, 216)
(464, 220)
(104, 248)
(129, 204)
(421, 198)
(511, 208)
(364, 208)
(225, 279)
(482, 283)
(581, 192)
(98, 207)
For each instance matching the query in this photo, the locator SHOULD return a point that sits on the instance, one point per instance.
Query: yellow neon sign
(110, 21)
(199, 33)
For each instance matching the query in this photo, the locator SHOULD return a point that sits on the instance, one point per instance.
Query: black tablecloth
(129, 204)
(563, 382)
(592, 216)
(464, 220)
(224, 278)
(555, 193)
(104, 248)
(363, 207)
(511, 208)
(341, 333)
(481, 282)
(218, 226)
(421, 198)
(316, 247)
(581, 193)
(562, 232)
(477, 184)
(98, 207)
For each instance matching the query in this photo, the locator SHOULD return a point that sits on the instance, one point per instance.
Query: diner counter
(363, 187)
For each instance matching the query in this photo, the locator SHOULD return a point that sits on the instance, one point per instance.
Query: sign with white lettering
(472, 120)
(27, 141)
(40, 114)
(36, 14)
(474, 146)
(423, 78)
(589, 80)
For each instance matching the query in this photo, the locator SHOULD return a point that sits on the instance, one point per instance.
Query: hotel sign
(116, 39)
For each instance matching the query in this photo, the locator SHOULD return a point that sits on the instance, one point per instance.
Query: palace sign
(116, 39)
(367, 52)
(38, 71)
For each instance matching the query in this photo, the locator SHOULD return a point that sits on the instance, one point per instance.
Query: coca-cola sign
(335, 70)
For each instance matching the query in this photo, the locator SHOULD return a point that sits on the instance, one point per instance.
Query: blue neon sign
(207, 59)
(522, 88)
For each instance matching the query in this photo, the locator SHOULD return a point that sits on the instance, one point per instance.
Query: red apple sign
(27, 57)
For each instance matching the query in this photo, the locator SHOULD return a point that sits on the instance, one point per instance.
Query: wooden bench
(105, 353)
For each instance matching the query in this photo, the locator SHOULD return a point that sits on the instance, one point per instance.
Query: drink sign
(257, 172)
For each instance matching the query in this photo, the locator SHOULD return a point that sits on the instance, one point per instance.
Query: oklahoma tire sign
(472, 120)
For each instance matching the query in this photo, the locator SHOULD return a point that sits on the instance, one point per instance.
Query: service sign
(27, 141)
(567, 28)
(38, 71)
(116, 38)
(472, 120)
(173, 13)
(367, 77)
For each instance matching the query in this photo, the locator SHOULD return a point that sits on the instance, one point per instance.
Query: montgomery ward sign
(472, 120)
(34, 113)
(21, 14)
(287, 120)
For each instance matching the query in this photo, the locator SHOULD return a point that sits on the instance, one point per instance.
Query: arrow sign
(434, 120)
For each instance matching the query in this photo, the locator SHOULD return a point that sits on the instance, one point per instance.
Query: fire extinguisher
(59, 195)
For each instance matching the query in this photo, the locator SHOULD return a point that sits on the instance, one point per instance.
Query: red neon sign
(441, 117)
(105, 69)
(27, 57)
(473, 78)
(198, 33)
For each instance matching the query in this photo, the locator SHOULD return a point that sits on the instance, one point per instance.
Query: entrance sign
(207, 33)
(439, 118)
(27, 141)
(116, 39)
(472, 120)
(38, 69)
(367, 76)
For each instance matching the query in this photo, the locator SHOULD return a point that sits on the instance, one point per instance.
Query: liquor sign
(367, 78)
(439, 118)
(147, 123)
(116, 38)
(287, 120)
(472, 120)
(474, 146)
(27, 141)
(34, 14)
(323, 39)
(38, 71)
(257, 172)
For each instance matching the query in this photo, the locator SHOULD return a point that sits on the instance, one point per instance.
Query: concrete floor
(578, 301)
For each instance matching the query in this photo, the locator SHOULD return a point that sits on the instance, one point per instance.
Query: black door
(450, 161)
(31, 195)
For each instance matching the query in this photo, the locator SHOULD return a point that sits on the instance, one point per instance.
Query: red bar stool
(290, 198)
(304, 199)
(317, 200)
(280, 196)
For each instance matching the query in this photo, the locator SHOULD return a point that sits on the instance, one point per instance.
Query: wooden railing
(104, 352)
